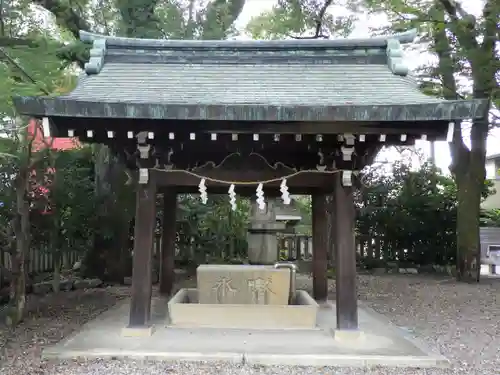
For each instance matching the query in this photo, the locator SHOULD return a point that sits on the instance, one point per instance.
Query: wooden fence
(42, 260)
(297, 247)
(39, 260)
(300, 247)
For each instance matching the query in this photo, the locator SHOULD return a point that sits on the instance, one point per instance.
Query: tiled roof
(303, 80)
(267, 84)
(319, 72)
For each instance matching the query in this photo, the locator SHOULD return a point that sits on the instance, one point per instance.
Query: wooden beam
(345, 257)
(320, 247)
(432, 128)
(307, 180)
(167, 264)
(325, 128)
(174, 181)
(249, 192)
(145, 220)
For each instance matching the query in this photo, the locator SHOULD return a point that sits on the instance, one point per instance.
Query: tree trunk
(468, 166)
(56, 274)
(108, 258)
(17, 299)
(65, 261)
(468, 240)
(22, 231)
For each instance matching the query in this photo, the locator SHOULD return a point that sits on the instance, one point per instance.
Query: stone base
(145, 331)
(385, 345)
(348, 335)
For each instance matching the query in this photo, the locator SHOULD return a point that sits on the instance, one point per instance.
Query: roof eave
(432, 111)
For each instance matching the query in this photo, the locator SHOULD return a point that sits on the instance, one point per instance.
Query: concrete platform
(382, 343)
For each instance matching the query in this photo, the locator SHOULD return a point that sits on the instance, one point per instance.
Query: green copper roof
(284, 80)
(381, 50)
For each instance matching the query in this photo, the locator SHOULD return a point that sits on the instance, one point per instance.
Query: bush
(413, 211)
(490, 218)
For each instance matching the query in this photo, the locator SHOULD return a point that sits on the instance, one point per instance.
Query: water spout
(293, 272)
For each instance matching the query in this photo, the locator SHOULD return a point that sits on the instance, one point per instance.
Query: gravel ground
(462, 321)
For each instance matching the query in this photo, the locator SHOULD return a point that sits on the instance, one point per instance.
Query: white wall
(493, 173)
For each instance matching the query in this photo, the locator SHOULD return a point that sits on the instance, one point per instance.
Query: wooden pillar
(145, 220)
(167, 264)
(320, 247)
(331, 229)
(345, 257)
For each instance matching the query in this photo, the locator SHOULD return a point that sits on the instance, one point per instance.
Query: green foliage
(465, 46)
(27, 71)
(283, 255)
(214, 230)
(69, 217)
(30, 60)
(34, 64)
(490, 218)
(413, 212)
(303, 204)
(63, 217)
(299, 18)
(8, 170)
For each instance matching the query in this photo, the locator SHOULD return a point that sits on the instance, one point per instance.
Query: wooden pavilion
(310, 112)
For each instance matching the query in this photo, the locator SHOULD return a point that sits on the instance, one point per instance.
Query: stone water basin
(185, 311)
(243, 296)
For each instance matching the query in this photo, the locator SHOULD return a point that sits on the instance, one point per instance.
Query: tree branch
(190, 22)
(318, 23)
(139, 18)
(6, 41)
(220, 15)
(419, 19)
(458, 149)
(463, 25)
(321, 16)
(2, 22)
(14, 63)
(74, 52)
(484, 77)
(485, 67)
(454, 9)
(66, 16)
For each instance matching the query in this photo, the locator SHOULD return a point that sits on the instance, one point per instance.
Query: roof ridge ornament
(97, 53)
(395, 58)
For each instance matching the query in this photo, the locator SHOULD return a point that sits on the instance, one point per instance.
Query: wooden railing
(40, 260)
(300, 247)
